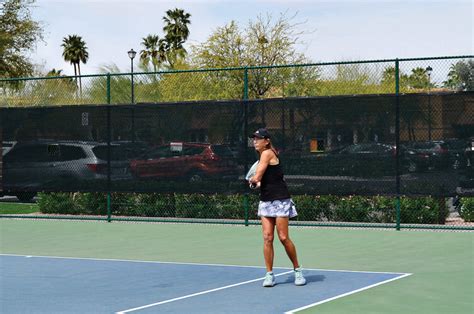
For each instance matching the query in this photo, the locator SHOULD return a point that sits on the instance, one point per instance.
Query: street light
(131, 54)
(428, 71)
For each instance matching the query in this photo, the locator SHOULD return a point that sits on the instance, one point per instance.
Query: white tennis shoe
(269, 280)
(299, 278)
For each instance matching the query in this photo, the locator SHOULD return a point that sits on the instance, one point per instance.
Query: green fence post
(246, 83)
(397, 139)
(246, 97)
(108, 88)
(109, 196)
(109, 211)
(246, 208)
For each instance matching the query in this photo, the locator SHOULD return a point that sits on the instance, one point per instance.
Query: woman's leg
(268, 229)
(282, 229)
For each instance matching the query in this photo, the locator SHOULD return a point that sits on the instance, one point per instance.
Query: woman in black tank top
(275, 207)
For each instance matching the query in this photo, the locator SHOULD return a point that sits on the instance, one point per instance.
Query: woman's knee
(284, 238)
(268, 237)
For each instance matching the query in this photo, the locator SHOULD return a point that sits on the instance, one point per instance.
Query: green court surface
(442, 263)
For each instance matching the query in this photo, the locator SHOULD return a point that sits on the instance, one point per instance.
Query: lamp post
(131, 54)
(428, 71)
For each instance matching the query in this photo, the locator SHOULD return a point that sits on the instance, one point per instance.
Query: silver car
(51, 165)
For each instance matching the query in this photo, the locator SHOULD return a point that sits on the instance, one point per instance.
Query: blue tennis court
(34, 284)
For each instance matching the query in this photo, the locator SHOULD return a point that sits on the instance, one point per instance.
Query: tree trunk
(75, 76)
(80, 80)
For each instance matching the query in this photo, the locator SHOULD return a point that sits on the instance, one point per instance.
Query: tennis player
(275, 207)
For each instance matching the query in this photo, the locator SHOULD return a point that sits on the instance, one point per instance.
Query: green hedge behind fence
(376, 209)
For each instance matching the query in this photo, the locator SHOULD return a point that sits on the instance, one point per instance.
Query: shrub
(353, 209)
(143, 204)
(422, 210)
(229, 206)
(57, 203)
(312, 207)
(194, 206)
(383, 209)
(90, 203)
(467, 209)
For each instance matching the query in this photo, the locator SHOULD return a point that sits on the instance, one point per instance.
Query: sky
(340, 30)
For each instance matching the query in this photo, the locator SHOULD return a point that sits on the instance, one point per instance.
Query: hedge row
(376, 209)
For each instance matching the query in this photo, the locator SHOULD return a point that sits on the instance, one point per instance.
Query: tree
(54, 73)
(18, 35)
(461, 76)
(263, 42)
(419, 79)
(75, 52)
(54, 89)
(177, 32)
(154, 51)
(410, 111)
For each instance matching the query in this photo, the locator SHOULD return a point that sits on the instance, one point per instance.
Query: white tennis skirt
(277, 208)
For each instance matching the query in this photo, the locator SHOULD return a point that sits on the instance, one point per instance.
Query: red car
(190, 161)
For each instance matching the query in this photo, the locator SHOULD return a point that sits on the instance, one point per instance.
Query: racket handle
(253, 185)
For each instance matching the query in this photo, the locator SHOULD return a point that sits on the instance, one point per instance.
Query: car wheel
(195, 177)
(412, 166)
(456, 164)
(26, 197)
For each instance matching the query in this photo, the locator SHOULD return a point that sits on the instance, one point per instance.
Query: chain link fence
(372, 143)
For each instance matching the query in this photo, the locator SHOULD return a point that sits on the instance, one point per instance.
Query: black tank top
(273, 186)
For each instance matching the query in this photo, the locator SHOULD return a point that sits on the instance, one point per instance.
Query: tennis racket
(251, 173)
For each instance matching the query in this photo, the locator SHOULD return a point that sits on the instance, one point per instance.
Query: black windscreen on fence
(327, 145)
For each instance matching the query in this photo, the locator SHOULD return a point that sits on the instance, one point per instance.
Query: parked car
(414, 160)
(7, 146)
(470, 152)
(365, 159)
(437, 154)
(458, 150)
(51, 165)
(191, 161)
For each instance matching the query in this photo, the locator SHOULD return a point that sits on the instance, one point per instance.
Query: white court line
(194, 264)
(196, 294)
(132, 261)
(345, 294)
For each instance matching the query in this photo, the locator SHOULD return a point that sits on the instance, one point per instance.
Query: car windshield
(118, 152)
(456, 144)
(222, 150)
(427, 145)
(362, 148)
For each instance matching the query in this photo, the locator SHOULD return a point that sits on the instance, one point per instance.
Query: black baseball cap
(260, 133)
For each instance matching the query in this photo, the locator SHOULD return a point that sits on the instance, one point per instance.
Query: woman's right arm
(265, 158)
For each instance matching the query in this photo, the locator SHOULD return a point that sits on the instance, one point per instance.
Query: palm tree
(177, 32)
(54, 73)
(75, 52)
(154, 51)
(419, 78)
